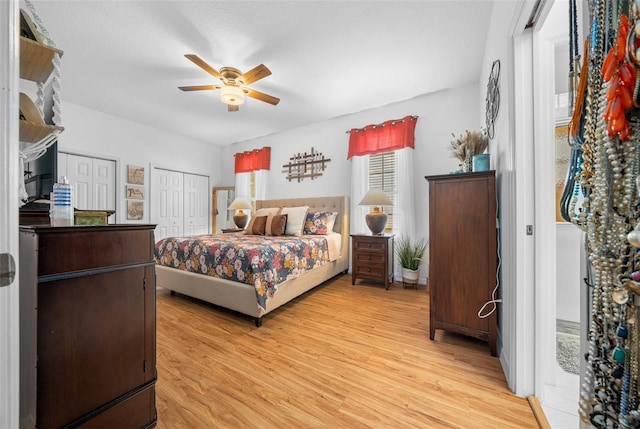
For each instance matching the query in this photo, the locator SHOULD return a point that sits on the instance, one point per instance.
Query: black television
(41, 174)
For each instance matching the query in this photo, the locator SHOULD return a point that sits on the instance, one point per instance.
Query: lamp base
(240, 220)
(376, 221)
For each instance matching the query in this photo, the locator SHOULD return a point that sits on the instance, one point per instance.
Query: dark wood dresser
(462, 254)
(88, 327)
(372, 258)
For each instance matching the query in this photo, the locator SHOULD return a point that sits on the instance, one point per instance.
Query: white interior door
(80, 175)
(9, 174)
(104, 184)
(167, 203)
(93, 181)
(196, 204)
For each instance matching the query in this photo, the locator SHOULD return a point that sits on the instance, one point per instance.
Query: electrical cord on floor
(493, 300)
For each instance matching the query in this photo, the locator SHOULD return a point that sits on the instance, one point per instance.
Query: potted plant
(410, 255)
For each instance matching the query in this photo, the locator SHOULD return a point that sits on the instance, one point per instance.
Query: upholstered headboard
(334, 204)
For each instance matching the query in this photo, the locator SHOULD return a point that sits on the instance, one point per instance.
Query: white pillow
(266, 211)
(295, 219)
(261, 212)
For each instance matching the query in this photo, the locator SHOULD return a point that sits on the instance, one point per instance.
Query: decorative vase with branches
(465, 146)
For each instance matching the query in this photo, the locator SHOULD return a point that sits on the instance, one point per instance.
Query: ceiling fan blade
(255, 74)
(232, 108)
(203, 65)
(262, 96)
(198, 87)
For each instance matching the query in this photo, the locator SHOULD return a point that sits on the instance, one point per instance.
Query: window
(382, 175)
(252, 191)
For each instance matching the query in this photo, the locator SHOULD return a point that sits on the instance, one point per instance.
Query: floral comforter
(263, 262)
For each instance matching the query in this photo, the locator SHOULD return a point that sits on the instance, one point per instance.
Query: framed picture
(135, 192)
(135, 210)
(563, 155)
(135, 174)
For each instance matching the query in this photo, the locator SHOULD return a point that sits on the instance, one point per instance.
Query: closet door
(93, 181)
(80, 175)
(167, 204)
(104, 173)
(196, 204)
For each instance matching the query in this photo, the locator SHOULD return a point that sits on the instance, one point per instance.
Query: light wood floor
(341, 356)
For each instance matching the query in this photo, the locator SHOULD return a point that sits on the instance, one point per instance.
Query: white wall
(441, 114)
(511, 159)
(93, 133)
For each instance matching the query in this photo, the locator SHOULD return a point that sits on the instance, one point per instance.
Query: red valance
(257, 159)
(390, 135)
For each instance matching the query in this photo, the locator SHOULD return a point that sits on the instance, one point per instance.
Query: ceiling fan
(234, 87)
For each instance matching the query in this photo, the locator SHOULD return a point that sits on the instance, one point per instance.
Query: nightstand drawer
(365, 245)
(372, 257)
(364, 269)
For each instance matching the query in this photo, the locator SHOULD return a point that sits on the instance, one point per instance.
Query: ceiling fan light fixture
(232, 95)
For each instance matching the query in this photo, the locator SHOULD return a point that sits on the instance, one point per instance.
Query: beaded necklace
(609, 215)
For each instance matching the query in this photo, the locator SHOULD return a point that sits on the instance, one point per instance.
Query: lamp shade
(376, 197)
(239, 204)
(376, 220)
(232, 95)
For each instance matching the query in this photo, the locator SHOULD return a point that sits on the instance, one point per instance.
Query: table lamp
(376, 220)
(240, 218)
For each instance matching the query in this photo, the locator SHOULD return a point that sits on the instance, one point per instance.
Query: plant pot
(410, 277)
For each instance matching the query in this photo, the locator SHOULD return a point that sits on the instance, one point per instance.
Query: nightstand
(231, 230)
(372, 258)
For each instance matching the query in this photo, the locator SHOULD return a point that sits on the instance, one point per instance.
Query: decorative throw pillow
(259, 225)
(319, 223)
(260, 212)
(295, 219)
(276, 224)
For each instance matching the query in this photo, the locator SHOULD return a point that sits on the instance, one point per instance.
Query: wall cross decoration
(305, 164)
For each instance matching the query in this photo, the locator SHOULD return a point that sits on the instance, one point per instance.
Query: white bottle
(61, 207)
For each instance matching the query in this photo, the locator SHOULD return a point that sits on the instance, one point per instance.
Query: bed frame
(241, 297)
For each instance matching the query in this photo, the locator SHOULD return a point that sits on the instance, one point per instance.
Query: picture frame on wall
(135, 210)
(135, 174)
(135, 192)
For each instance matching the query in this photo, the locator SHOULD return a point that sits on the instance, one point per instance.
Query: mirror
(221, 217)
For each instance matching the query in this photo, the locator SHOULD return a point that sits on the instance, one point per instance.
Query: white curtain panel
(404, 222)
(261, 184)
(243, 185)
(359, 187)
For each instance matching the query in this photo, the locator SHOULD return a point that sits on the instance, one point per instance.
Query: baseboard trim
(538, 413)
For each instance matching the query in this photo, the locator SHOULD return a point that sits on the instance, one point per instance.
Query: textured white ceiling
(328, 58)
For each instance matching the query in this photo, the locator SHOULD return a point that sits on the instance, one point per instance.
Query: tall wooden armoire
(462, 254)
(87, 326)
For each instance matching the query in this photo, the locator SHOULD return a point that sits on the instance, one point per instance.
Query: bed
(242, 297)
